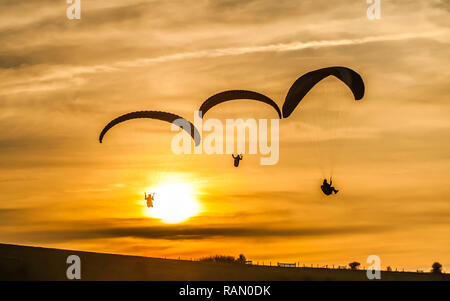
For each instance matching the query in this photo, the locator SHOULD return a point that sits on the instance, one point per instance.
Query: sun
(174, 202)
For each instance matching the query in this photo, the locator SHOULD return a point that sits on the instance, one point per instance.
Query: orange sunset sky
(63, 80)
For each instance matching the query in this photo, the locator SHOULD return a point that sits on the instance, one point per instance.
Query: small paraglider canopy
(307, 81)
(164, 116)
(235, 95)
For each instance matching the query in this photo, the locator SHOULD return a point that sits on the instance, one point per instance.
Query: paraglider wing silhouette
(164, 116)
(234, 95)
(307, 81)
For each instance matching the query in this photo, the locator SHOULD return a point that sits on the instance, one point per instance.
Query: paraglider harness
(149, 198)
(327, 188)
(237, 159)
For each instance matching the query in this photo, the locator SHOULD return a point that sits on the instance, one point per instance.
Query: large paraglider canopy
(164, 116)
(234, 95)
(307, 81)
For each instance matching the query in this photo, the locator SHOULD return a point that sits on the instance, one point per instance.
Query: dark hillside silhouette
(32, 263)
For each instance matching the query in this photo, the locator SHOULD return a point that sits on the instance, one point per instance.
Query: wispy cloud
(71, 72)
(192, 233)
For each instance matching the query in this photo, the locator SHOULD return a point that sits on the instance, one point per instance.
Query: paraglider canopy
(164, 116)
(234, 95)
(307, 81)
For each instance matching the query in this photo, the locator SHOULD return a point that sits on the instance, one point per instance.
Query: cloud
(70, 72)
(14, 215)
(443, 4)
(190, 233)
